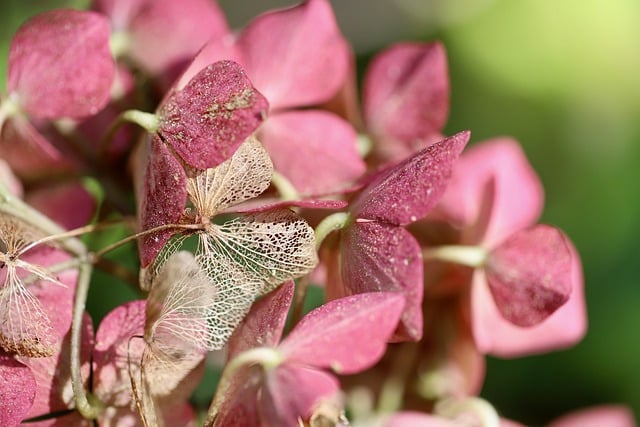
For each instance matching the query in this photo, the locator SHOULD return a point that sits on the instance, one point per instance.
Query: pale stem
(472, 410)
(285, 188)
(86, 409)
(267, 357)
(364, 145)
(331, 223)
(148, 121)
(470, 256)
(8, 108)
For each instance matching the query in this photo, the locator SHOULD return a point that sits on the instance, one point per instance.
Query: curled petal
(530, 275)
(212, 115)
(315, 150)
(17, 390)
(381, 257)
(406, 97)
(45, 56)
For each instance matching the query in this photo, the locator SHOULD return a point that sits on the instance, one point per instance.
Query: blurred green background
(562, 78)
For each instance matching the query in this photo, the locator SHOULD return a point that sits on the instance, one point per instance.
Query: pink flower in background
(596, 416)
(298, 59)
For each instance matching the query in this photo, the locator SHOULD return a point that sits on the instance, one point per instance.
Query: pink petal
(291, 392)
(381, 257)
(68, 204)
(17, 390)
(417, 419)
(116, 350)
(296, 56)
(217, 49)
(46, 56)
(263, 325)
(163, 33)
(348, 334)
(508, 423)
(163, 198)
(315, 150)
(598, 416)
(240, 407)
(517, 193)
(212, 115)
(409, 190)
(406, 97)
(497, 336)
(530, 275)
(265, 205)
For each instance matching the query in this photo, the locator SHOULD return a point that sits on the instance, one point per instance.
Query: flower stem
(468, 411)
(471, 256)
(285, 188)
(267, 357)
(148, 121)
(298, 302)
(331, 223)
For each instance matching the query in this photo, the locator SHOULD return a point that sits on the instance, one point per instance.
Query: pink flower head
(298, 59)
(377, 252)
(339, 335)
(406, 98)
(528, 296)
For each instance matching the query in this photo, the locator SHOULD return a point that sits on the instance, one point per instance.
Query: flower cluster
(247, 171)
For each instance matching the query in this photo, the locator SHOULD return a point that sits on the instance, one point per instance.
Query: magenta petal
(348, 334)
(17, 390)
(163, 198)
(263, 325)
(417, 419)
(381, 257)
(598, 416)
(292, 392)
(517, 193)
(406, 96)
(409, 190)
(69, 204)
(60, 64)
(240, 407)
(495, 335)
(315, 150)
(296, 56)
(530, 275)
(164, 32)
(115, 350)
(212, 115)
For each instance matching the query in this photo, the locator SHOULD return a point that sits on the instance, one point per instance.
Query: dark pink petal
(68, 204)
(163, 198)
(53, 376)
(409, 190)
(315, 150)
(348, 334)
(263, 325)
(417, 419)
(116, 350)
(17, 390)
(516, 198)
(240, 405)
(530, 274)
(406, 97)
(296, 56)
(598, 416)
(60, 64)
(291, 392)
(215, 112)
(495, 335)
(381, 257)
(162, 33)
(217, 49)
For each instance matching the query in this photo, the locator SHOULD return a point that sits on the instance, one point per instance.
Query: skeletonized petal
(409, 190)
(246, 175)
(381, 257)
(348, 334)
(45, 58)
(212, 115)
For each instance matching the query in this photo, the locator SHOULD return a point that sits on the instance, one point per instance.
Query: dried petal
(348, 334)
(315, 150)
(530, 275)
(206, 121)
(409, 190)
(46, 54)
(381, 257)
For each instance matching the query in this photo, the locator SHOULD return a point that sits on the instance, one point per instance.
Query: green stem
(148, 121)
(331, 223)
(471, 256)
(267, 357)
(285, 188)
